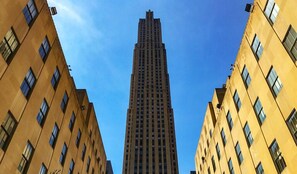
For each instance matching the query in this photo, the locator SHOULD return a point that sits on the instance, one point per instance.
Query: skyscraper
(150, 136)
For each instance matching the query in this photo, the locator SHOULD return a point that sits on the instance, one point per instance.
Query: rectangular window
(6, 131)
(72, 121)
(292, 124)
(229, 120)
(246, 77)
(218, 151)
(43, 169)
(259, 168)
(26, 157)
(223, 136)
(271, 10)
(274, 82)
(28, 83)
(257, 47)
(213, 164)
(88, 164)
(55, 78)
(8, 45)
(259, 111)
(230, 166)
(277, 157)
(78, 138)
(290, 43)
(238, 153)
(30, 12)
(71, 167)
(42, 112)
(64, 102)
(236, 100)
(63, 154)
(248, 134)
(54, 135)
(83, 153)
(44, 48)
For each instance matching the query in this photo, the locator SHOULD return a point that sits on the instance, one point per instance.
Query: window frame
(26, 158)
(291, 32)
(276, 82)
(218, 150)
(270, 13)
(56, 78)
(259, 169)
(42, 114)
(238, 153)
(248, 134)
(257, 47)
(71, 167)
(237, 100)
(293, 115)
(63, 154)
(7, 45)
(230, 166)
(261, 111)
(78, 137)
(246, 77)
(26, 86)
(223, 137)
(72, 121)
(229, 120)
(9, 131)
(54, 136)
(64, 103)
(277, 157)
(44, 49)
(43, 169)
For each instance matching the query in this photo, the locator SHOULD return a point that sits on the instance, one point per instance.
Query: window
(8, 45)
(271, 10)
(30, 12)
(292, 124)
(290, 42)
(26, 157)
(54, 135)
(246, 77)
(6, 131)
(64, 101)
(42, 112)
(277, 157)
(259, 111)
(83, 153)
(43, 169)
(223, 136)
(229, 120)
(28, 83)
(218, 151)
(88, 164)
(71, 167)
(259, 169)
(55, 78)
(257, 47)
(274, 82)
(230, 166)
(78, 138)
(248, 134)
(238, 153)
(63, 154)
(208, 170)
(71, 122)
(237, 100)
(44, 48)
(213, 164)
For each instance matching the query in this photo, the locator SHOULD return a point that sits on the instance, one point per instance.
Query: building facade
(150, 145)
(47, 125)
(250, 126)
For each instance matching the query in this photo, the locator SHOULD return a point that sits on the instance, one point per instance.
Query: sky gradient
(201, 38)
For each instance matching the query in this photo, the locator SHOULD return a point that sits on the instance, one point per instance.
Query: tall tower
(150, 146)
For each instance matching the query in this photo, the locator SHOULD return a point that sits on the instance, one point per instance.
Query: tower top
(149, 14)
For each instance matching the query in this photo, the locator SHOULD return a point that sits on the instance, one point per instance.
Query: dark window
(88, 164)
(230, 166)
(218, 151)
(277, 157)
(257, 47)
(30, 12)
(213, 164)
(237, 100)
(208, 170)
(259, 111)
(54, 135)
(271, 10)
(63, 154)
(78, 138)
(44, 48)
(292, 124)
(55, 78)
(28, 83)
(238, 153)
(83, 153)
(71, 167)
(42, 112)
(26, 157)
(248, 134)
(43, 169)
(259, 169)
(229, 120)
(8, 45)
(6, 131)
(71, 122)
(290, 42)
(64, 102)
(223, 136)
(274, 82)
(246, 77)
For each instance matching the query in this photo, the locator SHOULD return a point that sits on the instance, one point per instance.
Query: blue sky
(202, 38)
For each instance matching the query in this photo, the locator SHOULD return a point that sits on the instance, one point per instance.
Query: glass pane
(268, 8)
(255, 44)
(274, 13)
(260, 50)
